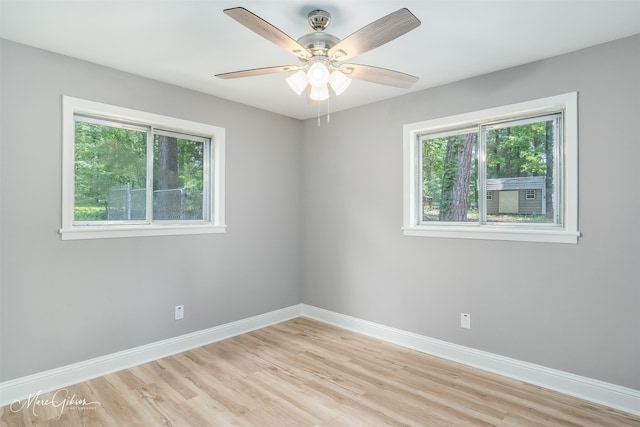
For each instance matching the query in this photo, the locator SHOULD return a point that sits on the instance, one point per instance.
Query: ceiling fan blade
(258, 71)
(266, 30)
(375, 34)
(378, 75)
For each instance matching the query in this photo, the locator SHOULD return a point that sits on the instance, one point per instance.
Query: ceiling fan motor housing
(319, 43)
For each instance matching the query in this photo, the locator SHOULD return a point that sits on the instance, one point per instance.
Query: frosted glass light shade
(298, 81)
(339, 82)
(319, 93)
(318, 74)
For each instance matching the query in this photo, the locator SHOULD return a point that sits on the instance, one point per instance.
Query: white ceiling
(186, 42)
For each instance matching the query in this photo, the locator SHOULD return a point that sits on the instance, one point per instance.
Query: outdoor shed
(520, 195)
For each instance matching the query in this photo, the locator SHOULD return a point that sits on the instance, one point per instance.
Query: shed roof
(519, 183)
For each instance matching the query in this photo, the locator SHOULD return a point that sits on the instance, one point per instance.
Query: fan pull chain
(328, 112)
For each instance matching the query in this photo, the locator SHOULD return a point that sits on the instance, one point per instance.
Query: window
(129, 173)
(523, 157)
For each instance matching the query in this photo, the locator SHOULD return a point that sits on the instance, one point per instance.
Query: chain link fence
(126, 204)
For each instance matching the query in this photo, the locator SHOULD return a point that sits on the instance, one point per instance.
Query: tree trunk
(167, 163)
(496, 151)
(167, 204)
(549, 152)
(455, 188)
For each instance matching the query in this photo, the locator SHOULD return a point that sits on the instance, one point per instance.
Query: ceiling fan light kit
(319, 93)
(317, 77)
(298, 81)
(322, 53)
(318, 74)
(339, 82)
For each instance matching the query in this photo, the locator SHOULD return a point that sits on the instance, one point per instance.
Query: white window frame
(77, 231)
(528, 193)
(566, 232)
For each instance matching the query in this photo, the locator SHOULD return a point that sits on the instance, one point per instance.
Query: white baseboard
(611, 395)
(54, 379)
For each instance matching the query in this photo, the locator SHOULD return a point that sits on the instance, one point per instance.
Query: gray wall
(68, 301)
(569, 307)
(314, 216)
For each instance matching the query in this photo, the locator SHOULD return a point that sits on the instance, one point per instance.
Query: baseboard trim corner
(607, 394)
(54, 379)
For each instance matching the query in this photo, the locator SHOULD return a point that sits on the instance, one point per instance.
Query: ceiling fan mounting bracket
(319, 19)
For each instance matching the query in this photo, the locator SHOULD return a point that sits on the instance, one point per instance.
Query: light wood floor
(305, 373)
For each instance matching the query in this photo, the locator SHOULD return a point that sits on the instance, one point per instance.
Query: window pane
(110, 173)
(178, 178)
(449, 176)
(520, 172)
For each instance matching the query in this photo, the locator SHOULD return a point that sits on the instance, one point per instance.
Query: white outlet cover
(465, 320)
(179, 313)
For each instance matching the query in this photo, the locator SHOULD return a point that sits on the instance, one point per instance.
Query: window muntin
(540, 156)
(130, 173)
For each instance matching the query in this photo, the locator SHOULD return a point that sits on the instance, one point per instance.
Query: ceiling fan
(321, 54)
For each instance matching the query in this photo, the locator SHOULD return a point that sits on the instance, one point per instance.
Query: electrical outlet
(179, 312)
(465, 320)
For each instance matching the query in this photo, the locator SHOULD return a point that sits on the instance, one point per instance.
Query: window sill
(109, 232)
(494, 233)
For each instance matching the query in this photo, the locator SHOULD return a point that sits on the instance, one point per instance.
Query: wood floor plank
(307, 373)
